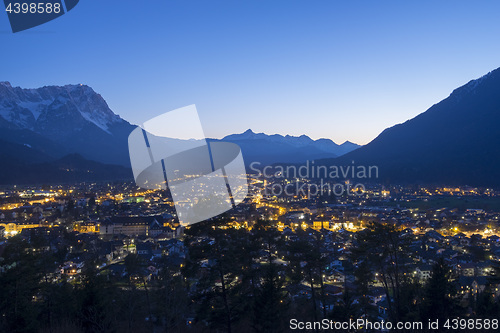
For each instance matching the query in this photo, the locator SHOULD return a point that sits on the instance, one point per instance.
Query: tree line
(231, 280)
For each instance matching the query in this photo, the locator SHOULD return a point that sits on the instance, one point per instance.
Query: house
(424, 272)
(337, 265)
(494, 239)
(174, 246)
(383, 306)
(321, 224)
(71, 268)
(145, 250)
(485, 268)
(14, 227)
(132, 226)
(335, 277)
(155, 228)
(166, 234)
(86, 227)
(111, 250)
(468, 269)
(472, 284)
(156, 254)
(434, 236)
(331, 294)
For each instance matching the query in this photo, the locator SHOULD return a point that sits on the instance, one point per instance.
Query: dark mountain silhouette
(269, 149)
(24, 165)
(455, 142)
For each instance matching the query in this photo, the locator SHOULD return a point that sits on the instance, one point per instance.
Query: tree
(215, 264)
(171, 297)
(19, 286)
(438, 302)
(363, 278)
(96, 297)
(345, 308)
(270, 304)
(386, 250)
(307, 263)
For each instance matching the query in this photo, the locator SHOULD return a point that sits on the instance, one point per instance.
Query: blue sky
(343, 70)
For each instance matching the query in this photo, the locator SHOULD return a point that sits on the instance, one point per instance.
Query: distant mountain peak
(5, 84)
(301, 139)
(278, 148)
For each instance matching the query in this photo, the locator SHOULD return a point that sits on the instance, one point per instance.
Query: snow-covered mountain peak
(22, 108)
(57, 120)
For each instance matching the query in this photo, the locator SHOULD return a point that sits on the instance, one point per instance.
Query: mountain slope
(456, 141)
(69, 169)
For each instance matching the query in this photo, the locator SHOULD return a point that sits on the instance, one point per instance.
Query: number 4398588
(471, 324)
(33, 8)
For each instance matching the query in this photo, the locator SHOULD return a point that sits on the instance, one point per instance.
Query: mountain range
(269, 149)
(44, 130)
(454, 142)
(69, 133)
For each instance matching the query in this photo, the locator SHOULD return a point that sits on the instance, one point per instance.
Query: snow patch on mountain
(36, 108)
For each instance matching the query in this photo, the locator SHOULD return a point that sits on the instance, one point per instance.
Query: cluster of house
(473, 262)
(111, 253)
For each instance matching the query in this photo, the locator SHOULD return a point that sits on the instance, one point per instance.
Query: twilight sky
(343, 70)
